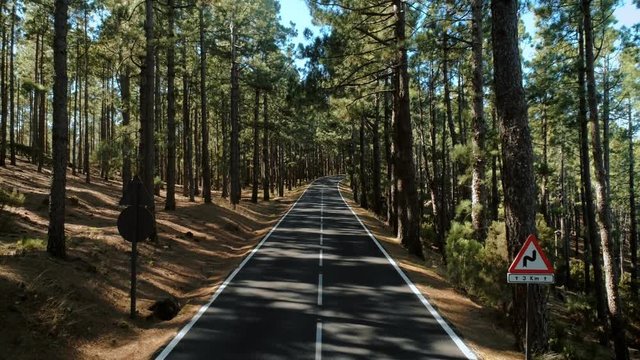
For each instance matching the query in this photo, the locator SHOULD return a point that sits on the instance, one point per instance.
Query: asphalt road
(318, 286)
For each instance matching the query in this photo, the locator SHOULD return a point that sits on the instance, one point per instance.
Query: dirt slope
(79, 307)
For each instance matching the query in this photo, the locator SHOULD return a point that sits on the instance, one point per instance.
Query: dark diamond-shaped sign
(136, 194)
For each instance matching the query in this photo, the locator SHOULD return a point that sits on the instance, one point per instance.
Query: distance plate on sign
(530, 278)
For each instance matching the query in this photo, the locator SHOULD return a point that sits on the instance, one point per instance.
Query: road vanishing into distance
(319, 285)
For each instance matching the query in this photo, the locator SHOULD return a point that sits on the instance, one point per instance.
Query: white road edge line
(456, 339)
(319, 289)
(319, 340)
(167, 350)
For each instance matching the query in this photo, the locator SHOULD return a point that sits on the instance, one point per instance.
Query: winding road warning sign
(531, 265)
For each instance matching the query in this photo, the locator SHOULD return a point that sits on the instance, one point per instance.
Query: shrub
(546, 237)
(476, 268)
(31, 244)
(13, 198)
(463, 256)
(496, 291)
(463, 211)
(428, 232)
(576, 271)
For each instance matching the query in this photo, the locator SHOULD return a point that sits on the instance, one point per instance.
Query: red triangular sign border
(531, 239)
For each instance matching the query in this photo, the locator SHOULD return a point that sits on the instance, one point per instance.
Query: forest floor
(78, 308)
(484, 330)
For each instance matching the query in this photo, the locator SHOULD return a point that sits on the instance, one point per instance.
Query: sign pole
(135, 224)
(527, 352)
(134, 254)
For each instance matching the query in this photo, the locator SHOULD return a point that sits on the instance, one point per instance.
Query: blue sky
(296, 11)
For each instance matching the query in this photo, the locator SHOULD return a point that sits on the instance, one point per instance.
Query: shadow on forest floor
(79, 307)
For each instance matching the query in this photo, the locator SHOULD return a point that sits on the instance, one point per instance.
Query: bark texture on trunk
(60, 135)
(633, 231)
(408, 217)
(517, 152)
(377, 192)
(478, 187)
(206, 161)
(12, 89)
(592, 235)
(256, 148)
(85, 157)
(363, 173)
(234, 169)
(603, 210)
(3, 95)
(125, 88)
(265, 149)
(170, 203)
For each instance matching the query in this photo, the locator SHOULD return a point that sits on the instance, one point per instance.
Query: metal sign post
(530, 266)
(134, 253)
(135, 223)
(527, 353)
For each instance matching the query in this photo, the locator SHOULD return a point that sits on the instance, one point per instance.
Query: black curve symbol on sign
(529, 258)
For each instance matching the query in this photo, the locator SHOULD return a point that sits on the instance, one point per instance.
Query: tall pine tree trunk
(12, 104)
(544, 198)
(34, 106)
(519, 184)
(206, 161)
(12, 89)
(147, 143)
(125, 88)
(594, 244)
(87, 169)
(478, 188)
(60, 135)
(603, 211)
(633, 231)
(170, 203)
(377, 192)
(265, 149)
(42, 125)
(408, 217)
(189, 186)
(363, 171)
(256, 148)
(3, 95)
(74, 157)
(235, 124)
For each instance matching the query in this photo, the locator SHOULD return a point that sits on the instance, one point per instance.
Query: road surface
(317, 286)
